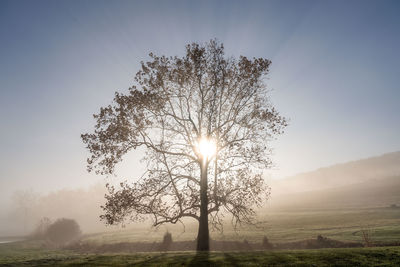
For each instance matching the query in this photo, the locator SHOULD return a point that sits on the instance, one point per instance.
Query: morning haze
(329, 74)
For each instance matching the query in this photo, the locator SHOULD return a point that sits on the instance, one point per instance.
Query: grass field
(282, 226)
(25, 254)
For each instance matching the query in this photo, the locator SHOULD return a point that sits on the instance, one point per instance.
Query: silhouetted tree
(366, 235)
(178, 108)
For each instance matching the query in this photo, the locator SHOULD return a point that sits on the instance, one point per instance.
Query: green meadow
(280, 227)
(380, 256)
(383, 225)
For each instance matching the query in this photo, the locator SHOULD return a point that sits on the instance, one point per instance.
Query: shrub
(167, 241)
(246, 245)
(63, 231)
(266, 244)
(321, 239)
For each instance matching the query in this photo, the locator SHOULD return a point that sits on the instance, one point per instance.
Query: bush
(63, 231)
(266, 244)
(167, 241)
(321, 239)
(246, 245)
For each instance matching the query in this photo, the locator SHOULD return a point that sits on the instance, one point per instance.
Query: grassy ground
(282, 226)
(17, 255)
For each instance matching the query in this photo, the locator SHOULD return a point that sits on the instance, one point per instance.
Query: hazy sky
(335, 73)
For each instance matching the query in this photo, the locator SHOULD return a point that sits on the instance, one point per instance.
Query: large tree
(205, 122)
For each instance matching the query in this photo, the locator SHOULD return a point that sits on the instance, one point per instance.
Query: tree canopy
(175, 103)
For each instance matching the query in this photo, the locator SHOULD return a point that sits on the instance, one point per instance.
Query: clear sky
(335, 73)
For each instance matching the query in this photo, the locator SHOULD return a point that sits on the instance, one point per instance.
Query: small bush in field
(246, 245)
(167, 241)
(266, 244)
(63, 231)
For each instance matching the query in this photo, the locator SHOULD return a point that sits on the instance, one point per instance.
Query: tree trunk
(203, 237)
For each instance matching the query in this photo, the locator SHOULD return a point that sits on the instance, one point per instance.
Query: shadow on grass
(231, 260)
(201, 259)
(150, 261)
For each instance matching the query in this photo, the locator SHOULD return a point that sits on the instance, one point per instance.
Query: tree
(199, 116)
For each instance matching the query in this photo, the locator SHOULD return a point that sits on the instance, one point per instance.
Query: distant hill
(368, 182)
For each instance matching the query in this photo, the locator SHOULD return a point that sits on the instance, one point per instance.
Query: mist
(366, 183)
(28, 207)
(197, 126)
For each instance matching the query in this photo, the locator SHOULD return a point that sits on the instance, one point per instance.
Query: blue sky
(335, 73)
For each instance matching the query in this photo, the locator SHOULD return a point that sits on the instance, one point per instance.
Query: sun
(206, 147)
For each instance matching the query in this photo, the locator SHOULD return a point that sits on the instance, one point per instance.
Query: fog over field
(367, 183)
(194, 133)
(371, 182)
